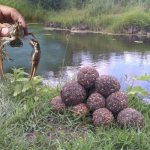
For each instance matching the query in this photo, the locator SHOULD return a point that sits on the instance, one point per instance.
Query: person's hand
(10, 15)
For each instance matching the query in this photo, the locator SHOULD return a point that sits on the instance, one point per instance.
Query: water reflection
(61, 57)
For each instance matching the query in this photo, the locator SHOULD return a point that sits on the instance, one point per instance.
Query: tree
(60, 4)
(81, 3)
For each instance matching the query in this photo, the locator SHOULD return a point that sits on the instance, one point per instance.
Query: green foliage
(98, 5)
(145, 77)
(81, 3)
(101, 7)
(28, 123)
(43, 3)
(134, 16)
(104, 15)
(22, 84)
(137, 90)
(59, 4)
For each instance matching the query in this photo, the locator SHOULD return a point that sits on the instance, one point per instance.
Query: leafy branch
(138, 90)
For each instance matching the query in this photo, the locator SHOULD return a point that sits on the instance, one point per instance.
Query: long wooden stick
(1, 64)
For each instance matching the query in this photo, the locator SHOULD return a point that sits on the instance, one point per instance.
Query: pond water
(64, 53)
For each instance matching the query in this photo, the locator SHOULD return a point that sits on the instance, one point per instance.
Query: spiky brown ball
(130, 117)
(95, 101)
(73, 93)
(116, 102)
(87, 76)
(106, 85)
(102, 116)
(57, 103)
(80, 109)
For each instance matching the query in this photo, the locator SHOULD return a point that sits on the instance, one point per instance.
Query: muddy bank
(82, 28)
(136, 29)
(67, 27)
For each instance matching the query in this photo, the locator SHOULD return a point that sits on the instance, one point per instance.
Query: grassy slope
(30, 123)
(110, 22)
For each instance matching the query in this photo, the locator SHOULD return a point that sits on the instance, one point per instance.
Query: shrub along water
(105, 15)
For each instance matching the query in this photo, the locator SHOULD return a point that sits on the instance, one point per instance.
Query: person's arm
(10, 15)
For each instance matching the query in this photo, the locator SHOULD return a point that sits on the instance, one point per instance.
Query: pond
(64, 53)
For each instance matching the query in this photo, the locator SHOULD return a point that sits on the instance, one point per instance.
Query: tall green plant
(22, 84)
(138, 90)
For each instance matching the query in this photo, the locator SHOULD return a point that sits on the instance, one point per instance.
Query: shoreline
(74, 31)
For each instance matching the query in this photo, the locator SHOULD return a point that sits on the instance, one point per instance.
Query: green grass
(135, 16)
(67, 17)
(101, 15)
(28, 122)
(106, 15)
(109, 22)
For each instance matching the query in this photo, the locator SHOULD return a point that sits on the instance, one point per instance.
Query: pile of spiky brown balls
(98, 95)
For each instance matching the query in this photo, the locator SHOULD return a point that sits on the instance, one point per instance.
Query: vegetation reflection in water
(63, 53)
